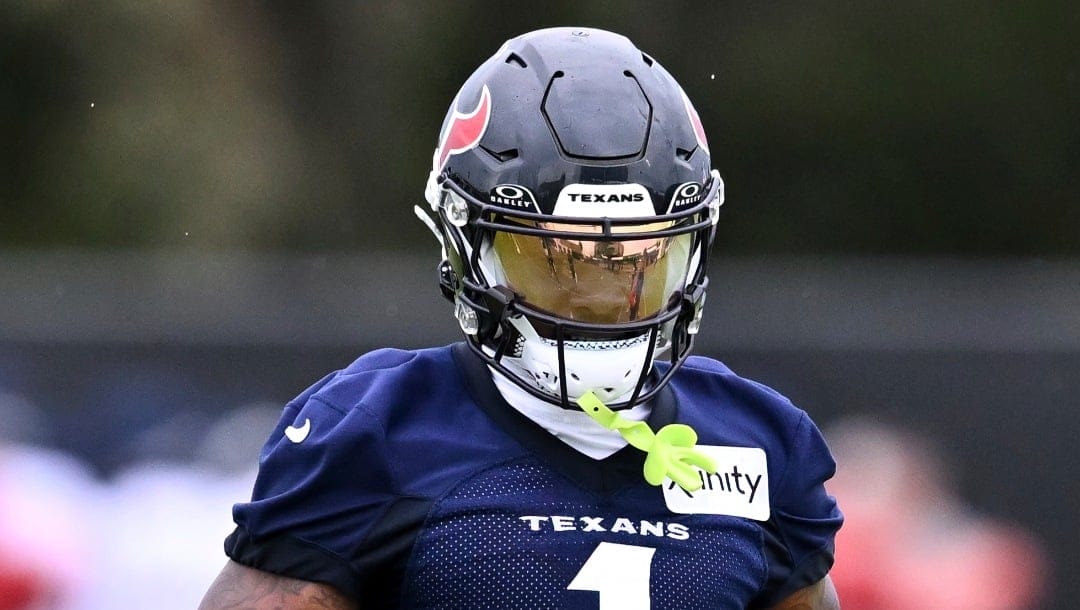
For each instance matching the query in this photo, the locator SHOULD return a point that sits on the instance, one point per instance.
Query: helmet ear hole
(516, 59)
(502, 156)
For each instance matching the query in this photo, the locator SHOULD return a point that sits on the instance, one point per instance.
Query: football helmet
(573, 194)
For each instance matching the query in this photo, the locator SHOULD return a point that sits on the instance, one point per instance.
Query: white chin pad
(611, 369)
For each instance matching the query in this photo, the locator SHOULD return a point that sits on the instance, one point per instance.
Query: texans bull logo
(464, 130)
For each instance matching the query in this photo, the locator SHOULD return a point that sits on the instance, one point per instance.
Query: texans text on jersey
(563, 523)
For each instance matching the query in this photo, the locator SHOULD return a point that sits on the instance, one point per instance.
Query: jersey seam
(391, 468)
(253, 540)
(764, 566)
(372, 369)
(797, 570)
(339, 410)
(367, 410)
(436, 504)
(322, 548)
(803, 418)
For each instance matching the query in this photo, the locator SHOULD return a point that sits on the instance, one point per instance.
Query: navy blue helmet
(575, 199)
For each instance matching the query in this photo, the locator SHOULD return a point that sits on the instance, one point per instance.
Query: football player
(569, 453)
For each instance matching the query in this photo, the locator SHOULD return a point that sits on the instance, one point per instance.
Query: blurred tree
(864, 127)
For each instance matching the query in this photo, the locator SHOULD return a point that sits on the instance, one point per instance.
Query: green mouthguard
(670, 452)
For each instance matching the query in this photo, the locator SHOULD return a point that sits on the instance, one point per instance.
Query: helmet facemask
(566, 305)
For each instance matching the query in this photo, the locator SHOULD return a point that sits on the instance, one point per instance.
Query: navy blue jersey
(406, 481)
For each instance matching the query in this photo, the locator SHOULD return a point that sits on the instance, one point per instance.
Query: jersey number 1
(620, 573)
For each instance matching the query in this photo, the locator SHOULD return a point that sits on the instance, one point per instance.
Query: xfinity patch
(600, 200)
(739, 487)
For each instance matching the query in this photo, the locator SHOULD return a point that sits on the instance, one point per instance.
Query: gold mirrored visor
(598, 281)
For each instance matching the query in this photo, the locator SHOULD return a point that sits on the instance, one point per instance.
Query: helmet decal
(596, 200)
(687, 194)
(514, 196)
(695, 122)
(465, 129)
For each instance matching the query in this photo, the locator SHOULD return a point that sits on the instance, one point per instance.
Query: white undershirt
(575, 428)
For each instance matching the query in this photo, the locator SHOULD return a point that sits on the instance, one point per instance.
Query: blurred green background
(206, 204)
(840, 127)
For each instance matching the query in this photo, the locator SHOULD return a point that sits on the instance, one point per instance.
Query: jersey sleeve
(804, 519)
(323, 482)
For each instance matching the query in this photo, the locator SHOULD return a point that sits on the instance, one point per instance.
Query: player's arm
(818, 596)
(239, 587)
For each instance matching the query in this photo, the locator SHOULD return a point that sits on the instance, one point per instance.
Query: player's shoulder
(745, 410)
(727, 409)
(709, 377)
(382, 394)
(381, 389)
(381, 377)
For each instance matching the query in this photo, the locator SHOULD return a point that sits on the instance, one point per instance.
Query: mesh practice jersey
(406, 481)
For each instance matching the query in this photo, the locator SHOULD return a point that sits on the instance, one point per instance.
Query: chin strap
(670, 452)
